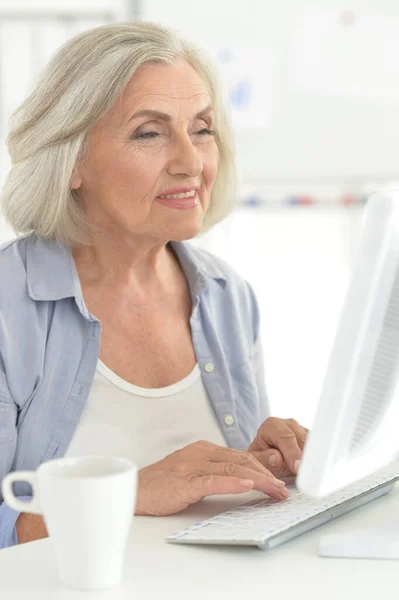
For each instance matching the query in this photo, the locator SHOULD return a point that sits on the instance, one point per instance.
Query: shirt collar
(52, 274)
(198, 266)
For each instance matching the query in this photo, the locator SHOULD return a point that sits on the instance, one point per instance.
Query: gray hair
(77, 87)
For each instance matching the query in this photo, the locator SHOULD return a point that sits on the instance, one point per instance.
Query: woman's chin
(186, 233)
(187, 230)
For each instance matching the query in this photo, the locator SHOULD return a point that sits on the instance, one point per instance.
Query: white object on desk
(88, 505)
(269, 523)
(354, 432)
(382, 543)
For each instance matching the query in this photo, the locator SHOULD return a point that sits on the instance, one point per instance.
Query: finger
(280, 435)
(300, 432)
(265, 483)
(210, 485)
(273, 460)
(220, 454)
(234, 469)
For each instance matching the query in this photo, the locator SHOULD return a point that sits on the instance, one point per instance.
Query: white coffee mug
(88, 505)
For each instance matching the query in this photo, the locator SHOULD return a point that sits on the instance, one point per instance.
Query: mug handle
(32, 506)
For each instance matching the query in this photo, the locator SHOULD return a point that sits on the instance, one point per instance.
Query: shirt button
(229, 420)
(209, 367)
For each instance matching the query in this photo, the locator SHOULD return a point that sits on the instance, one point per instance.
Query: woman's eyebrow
(164, 116)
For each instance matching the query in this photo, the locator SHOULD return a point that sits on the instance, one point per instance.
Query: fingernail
(285, 493)
(273, 460)
(297, 464)
(279, 483)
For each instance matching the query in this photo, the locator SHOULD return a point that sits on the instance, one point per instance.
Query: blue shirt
(50, 344)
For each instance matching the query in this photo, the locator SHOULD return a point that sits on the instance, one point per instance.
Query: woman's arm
(30, 527)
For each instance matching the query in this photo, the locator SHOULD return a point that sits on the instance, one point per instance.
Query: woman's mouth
(179, 201)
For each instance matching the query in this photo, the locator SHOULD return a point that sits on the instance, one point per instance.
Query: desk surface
(156, 569)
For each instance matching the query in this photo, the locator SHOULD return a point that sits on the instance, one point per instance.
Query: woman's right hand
(198, 470)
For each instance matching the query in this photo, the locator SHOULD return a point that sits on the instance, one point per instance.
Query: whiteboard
(332, 108)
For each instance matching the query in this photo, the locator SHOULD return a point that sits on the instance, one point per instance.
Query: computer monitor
(355, 430)
(356, 427)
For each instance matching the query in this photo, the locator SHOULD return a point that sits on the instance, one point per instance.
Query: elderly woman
(115, 335)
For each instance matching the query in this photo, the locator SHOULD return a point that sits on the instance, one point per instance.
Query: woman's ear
(76, 180)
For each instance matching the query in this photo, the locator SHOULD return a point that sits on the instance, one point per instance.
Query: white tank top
(144, 425)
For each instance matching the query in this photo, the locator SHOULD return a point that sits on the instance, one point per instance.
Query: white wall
(298, 262)
(333, 113)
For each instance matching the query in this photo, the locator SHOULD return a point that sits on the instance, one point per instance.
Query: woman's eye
(206, 131)
(148, 135)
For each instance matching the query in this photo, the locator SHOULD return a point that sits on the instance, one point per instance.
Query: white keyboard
(268, 523)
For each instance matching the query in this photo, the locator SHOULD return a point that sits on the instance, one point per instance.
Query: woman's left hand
(278, 445)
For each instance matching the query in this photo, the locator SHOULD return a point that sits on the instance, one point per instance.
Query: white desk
(157, 570)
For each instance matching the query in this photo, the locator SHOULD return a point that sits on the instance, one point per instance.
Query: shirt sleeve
(257, 358)
(8, 519)
(8, 444)
(258, 366)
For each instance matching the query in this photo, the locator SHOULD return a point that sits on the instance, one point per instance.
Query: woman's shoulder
(35, 268)
(13, 265)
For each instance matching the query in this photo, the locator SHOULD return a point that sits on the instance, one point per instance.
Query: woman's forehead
(165, 84)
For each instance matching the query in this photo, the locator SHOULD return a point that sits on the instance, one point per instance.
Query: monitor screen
(355, 430)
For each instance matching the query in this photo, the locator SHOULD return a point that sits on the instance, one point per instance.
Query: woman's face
(154, 143)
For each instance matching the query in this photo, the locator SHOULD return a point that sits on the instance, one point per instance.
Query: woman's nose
(186, 159)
